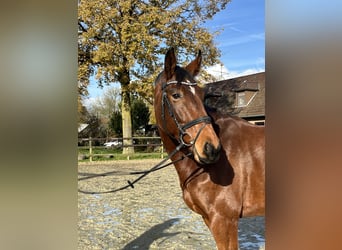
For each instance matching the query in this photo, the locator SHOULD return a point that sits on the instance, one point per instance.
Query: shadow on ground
(146, 239)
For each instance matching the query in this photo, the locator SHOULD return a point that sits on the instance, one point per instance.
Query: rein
(182, 132)
(143, 173)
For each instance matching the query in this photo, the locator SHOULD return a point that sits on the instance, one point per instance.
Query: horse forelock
(180, 74)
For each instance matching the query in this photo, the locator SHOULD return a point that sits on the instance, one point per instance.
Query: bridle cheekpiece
(181, 128)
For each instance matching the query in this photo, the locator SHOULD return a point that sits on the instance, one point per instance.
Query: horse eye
(176, 96)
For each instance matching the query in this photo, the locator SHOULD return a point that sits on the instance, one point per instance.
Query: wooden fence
(90, 145)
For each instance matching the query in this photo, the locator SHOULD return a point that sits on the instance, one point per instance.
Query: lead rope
(205, 119)
(143, 173)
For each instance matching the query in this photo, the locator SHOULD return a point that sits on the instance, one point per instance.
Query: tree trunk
(126, 113)
(126, 122)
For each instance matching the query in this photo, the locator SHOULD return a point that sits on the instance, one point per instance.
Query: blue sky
(241, 42)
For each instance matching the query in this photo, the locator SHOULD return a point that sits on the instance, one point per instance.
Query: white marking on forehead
(192, 89)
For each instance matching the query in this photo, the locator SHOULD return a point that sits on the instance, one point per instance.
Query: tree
(107, 103)
(115, 123)
(140, 114)
(104, 107)
(94, 129)
(140, 117)
(123, 40)
(82, 112)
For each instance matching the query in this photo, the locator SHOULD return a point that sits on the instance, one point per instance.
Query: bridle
(181, 143)
(181, 128)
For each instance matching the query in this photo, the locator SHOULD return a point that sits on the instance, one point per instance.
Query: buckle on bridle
(181, 138)
(182, 131)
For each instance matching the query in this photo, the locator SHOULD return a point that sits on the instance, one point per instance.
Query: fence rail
(89, 148)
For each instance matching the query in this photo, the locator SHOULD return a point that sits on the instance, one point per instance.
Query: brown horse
(220, 159)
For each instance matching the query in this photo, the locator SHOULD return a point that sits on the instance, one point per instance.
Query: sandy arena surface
(150, 216)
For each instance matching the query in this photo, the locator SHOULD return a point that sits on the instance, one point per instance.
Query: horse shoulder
(244, 146)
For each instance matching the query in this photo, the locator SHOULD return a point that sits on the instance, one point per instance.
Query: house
(242, 96)
(82, 126)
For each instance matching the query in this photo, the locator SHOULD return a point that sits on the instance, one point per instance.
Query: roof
(82, 126)
(222, 95)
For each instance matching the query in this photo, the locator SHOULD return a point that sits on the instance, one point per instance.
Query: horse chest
(195, 202)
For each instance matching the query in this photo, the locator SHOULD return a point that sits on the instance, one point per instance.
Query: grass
(103, 154)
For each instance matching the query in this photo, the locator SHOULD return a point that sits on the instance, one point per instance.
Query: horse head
(180, 113)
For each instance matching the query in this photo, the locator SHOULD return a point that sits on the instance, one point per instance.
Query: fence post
(162, 149)
(90, 149)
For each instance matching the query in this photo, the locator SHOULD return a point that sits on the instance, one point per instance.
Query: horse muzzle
(210, 153)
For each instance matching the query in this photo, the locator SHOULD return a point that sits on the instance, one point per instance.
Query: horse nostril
(208, 148)
(211, 151)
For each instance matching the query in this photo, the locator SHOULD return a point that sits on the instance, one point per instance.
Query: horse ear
(194, 67)
(170, 63)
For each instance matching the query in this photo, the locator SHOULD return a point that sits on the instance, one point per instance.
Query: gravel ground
(150, 216)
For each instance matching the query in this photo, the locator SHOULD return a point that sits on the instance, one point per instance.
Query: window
(241, 99)
(244, 98)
